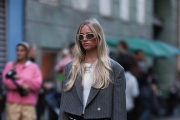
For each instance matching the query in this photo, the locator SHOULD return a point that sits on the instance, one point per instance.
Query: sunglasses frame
(85, 36)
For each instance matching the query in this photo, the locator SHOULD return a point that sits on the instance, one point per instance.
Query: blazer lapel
(92, 94)
(78, 86)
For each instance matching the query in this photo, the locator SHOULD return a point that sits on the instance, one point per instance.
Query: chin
(87, 48)
(20, 58)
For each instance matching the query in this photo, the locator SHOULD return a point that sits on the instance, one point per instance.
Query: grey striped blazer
(101, 103)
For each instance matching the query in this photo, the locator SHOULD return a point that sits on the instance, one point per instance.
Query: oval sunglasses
(89, 36)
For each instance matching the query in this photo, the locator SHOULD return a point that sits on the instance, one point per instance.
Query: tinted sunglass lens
(81, 37)
(90, 36)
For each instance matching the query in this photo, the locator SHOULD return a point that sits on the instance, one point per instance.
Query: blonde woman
(94, 85)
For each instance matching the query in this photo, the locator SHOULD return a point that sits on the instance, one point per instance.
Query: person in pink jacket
(66, 58)
(29, 78)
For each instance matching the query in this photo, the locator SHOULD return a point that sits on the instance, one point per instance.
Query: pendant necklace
(88, 69)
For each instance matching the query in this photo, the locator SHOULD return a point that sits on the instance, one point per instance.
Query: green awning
(166, 47)
(150, 48)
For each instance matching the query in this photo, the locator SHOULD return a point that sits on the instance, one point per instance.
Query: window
(80, 4)
(105, 7)
(124, 9)
(141, 11)
(50, 2)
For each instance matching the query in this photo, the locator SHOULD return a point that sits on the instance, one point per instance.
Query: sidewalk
(168, 118)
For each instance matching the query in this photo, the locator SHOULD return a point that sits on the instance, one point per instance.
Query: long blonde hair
(100, 68)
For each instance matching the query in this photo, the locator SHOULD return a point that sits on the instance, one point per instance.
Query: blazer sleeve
(62, 114)
(119, 97)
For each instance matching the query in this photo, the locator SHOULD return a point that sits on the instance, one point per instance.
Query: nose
(84, 38)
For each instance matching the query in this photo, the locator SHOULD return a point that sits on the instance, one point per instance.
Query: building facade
(52, 24)
(11, 29)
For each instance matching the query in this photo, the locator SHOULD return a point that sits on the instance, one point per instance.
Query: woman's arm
(119, 97)
(34, 81)
(62, 114)
(59, 67)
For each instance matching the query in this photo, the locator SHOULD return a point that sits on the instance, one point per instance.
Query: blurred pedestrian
(52, 99)
(152, 79)
(174, 96)
(122, 47)
(132, 89)
(66, 58)
(147, 103)
(28, 79)
(2, 96)
(40, 106)
(47, 88)
(72, 49)
(123, 55)
(177, 85)
(94, 86)
(143, 102)
(32, 53)
(139, 57)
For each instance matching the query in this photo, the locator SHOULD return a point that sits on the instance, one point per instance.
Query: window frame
(141, 11)
(102, 8)
(76, 5)
(123, 15)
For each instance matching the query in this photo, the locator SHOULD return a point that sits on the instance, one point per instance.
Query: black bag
(10, 75)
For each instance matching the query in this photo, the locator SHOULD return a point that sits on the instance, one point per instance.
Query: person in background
(147, 101)
(2, 96)
(139, 57)
(29, 78)
(71, 49)
(132, 89)
(177, 85)
(143, 103)
(66, 58)
(126, 58)
(152, 79)
(32, 53)
(174, 96)
(122, 47)
(153, 83)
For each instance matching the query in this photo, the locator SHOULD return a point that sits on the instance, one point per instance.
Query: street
(169, 118)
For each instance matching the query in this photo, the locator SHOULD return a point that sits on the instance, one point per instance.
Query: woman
(28, 77)
(66, 58)
(94, 85)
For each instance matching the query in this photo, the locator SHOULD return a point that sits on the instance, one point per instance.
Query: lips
(85, 44)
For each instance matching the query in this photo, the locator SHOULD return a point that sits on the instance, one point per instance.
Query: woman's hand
(26, 87)
(16, 76)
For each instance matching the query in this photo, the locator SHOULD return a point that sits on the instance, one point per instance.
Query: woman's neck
(91, 56)
(22, 61)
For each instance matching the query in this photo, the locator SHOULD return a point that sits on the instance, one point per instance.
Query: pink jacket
(60, 67)
(28, 73)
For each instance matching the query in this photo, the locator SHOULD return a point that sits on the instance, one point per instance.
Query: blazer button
(98, 108)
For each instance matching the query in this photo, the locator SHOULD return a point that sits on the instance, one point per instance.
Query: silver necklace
(88, 69)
